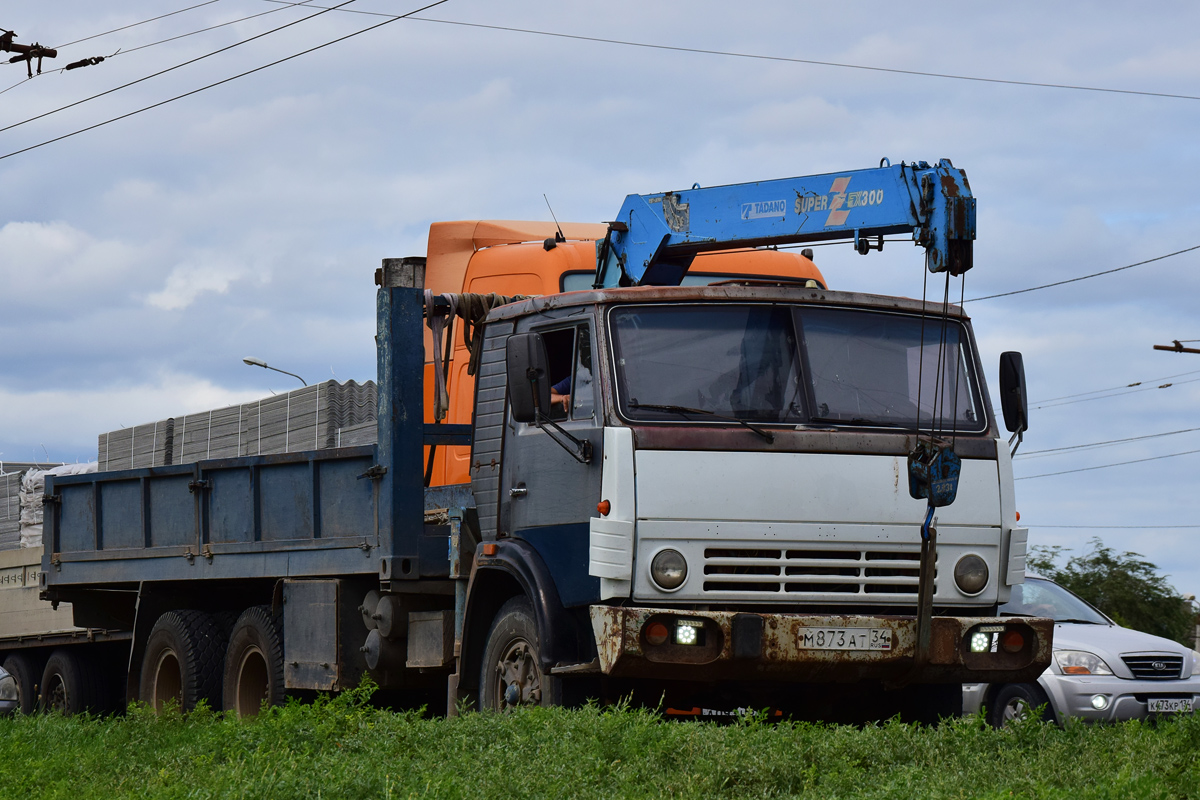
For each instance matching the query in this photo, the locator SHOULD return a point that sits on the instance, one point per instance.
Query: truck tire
(182, 661)
(509, 675)
(254, 663)
(1018, 701)
(68, 685)
(26, 673)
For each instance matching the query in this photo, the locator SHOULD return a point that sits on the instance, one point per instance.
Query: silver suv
(1100, 672)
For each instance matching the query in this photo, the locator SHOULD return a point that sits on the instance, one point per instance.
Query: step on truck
(658, 458)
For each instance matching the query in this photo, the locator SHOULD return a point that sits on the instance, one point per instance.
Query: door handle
(518, 491)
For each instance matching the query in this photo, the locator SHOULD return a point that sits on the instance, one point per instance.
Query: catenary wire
(1115, 394)
(1118, 527)
(304, 4)
(1085, 277)
(135, 24)
(170, 69)
(123, 52)
(1116, 388)
(220, 82)
(1106, 466)
(1058, 451)
(785, 59)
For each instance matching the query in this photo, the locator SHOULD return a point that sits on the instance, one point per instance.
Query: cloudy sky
(141, 260)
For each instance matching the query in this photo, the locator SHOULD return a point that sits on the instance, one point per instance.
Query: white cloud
(188, 281)
(67, 421)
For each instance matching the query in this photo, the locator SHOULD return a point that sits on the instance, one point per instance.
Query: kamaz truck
(654, 458)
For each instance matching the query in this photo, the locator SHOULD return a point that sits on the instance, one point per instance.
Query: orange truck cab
(516, 258)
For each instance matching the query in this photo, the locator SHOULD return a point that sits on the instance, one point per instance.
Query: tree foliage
(1124, 586)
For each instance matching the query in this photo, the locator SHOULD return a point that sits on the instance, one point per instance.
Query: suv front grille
(1155, 668)
(876, 571)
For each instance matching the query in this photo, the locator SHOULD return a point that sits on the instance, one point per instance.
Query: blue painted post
(401, 358)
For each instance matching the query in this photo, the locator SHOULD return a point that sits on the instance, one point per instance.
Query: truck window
(569, 357)
(791, 364)
(732, 361)
(864, 365)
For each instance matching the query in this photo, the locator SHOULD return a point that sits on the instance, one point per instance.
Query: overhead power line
(135, 24)
(1084, 277)
(171, 69)
(1115, 388)
(1116, 394)
(1106, 466)
(1120, 527)
(221, 82)
(1058, 451)
(125, 52)
(784, 59)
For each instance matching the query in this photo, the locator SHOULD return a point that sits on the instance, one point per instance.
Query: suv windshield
(793, 364)
(1042, 598)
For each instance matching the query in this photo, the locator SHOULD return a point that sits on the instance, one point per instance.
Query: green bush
(343, 748)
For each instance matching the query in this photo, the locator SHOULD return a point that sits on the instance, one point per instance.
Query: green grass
(342, 748)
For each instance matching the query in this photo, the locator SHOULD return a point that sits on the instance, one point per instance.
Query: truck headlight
(1081, 662)
(8, 688)
(668, 569)
(971, 574)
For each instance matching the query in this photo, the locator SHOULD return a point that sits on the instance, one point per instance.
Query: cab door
(550, 496)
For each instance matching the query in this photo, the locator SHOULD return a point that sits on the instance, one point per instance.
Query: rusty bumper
(726, 645)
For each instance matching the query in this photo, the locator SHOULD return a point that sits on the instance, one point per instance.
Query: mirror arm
(582, 450)
(1017, 437)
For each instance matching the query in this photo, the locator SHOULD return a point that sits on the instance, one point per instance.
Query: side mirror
(528, 377)
(1013, 398)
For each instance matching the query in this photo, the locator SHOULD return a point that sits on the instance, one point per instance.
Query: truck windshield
(793, 364)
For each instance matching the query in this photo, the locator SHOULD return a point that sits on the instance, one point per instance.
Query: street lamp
(258, 362)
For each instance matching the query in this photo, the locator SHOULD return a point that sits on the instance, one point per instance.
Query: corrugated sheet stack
(318, 417)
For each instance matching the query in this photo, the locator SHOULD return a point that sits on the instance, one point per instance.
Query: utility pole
(1177, 347)
(25, 52)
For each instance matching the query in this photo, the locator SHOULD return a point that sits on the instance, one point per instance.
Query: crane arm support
(656, 236)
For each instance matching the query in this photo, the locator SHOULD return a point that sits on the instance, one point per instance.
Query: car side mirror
(528, 376)
(1013, 398)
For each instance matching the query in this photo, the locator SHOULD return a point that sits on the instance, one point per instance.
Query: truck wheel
(25, 672)
(254, 663)
(1018, 701)
(182, 661)
(68, 686)
(510, 676)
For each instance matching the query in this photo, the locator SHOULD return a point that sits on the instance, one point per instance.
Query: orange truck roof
(508, 257)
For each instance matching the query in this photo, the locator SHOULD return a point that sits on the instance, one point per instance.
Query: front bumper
(748, 646)
(1071, 695)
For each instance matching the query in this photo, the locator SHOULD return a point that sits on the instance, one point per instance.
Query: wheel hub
(518, 676)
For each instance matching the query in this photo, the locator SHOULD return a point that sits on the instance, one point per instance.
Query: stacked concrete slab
(318, 417)
(10, 510)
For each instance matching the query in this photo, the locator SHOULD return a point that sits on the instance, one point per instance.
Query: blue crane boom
(655, 237)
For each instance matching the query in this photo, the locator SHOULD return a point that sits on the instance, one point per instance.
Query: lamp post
(258, 362)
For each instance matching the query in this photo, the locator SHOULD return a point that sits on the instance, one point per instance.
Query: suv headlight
(8, 688)
(1081, 662)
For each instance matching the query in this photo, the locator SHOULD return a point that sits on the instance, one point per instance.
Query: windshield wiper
(767, 435)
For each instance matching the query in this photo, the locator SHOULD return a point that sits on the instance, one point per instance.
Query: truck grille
(818, 572)
(1155, 668)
